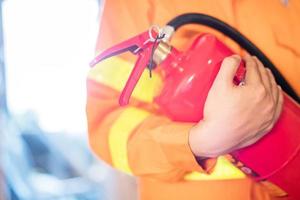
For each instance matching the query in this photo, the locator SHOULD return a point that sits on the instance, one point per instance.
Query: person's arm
(135, 140)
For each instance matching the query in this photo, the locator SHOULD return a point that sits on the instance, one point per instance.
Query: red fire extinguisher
(188, 77)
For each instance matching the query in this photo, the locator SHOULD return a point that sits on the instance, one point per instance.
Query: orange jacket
(137, 139)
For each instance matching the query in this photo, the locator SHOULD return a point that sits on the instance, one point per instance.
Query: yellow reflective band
(115, 71)
(223, 170)
(119, 133)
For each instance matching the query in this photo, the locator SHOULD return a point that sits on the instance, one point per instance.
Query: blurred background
(45, 48)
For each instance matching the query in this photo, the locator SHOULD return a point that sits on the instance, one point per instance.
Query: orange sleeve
(159, 148)
(153, 145)
(156, 147)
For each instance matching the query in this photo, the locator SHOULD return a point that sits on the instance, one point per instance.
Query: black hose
(235, 35)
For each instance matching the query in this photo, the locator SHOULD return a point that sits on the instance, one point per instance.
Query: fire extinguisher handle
(134, 45)
(140, 45)
(135, 75)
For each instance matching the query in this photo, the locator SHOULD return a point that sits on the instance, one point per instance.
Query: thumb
(228, 70)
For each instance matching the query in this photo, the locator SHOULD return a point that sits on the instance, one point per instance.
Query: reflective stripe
(119, 133)
(222, 171)
(115, 71)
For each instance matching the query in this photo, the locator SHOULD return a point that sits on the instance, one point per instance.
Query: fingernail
(236, 57)
(279, 87)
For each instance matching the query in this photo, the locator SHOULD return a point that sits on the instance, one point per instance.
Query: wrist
(205, 142)
(199, 141)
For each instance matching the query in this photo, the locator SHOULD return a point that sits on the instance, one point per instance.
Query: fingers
(280, 104)
(252, 76)
(270, 84)
(259, 76)
(253, 139)
(264, 74)
(228, 69)
(278, 109)
(275, 89)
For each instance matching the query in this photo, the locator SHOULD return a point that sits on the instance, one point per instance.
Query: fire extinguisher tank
(189, 75)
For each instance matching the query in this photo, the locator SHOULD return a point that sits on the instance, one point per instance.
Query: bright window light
(48, 45)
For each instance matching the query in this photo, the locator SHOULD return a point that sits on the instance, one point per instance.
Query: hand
(237, 116)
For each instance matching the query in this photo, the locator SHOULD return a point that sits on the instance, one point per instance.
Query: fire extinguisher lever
(142, 45)
(133, 45)
(135, 75)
